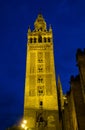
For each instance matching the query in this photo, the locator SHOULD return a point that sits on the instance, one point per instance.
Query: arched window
(30, 40)
(41, 119)
(40, 68)
(40, 80)
(40, 90)
(39, 39)
(44, 39)
(34, 40)
(48, 39)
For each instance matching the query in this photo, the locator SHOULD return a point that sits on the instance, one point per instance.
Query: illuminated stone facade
(40, 102)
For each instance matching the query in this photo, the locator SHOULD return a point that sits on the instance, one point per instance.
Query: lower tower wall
(39, 119)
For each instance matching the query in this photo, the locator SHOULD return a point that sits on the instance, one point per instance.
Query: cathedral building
(78, 89)
(45, 105)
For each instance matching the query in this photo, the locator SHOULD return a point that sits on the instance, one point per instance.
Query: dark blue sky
(67, 18)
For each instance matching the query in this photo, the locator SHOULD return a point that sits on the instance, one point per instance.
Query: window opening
(44, 39)
(30, 40)
(40, 80)
(39, 39)
(48, 39)
(34, 40)
(40, 68)
(41, 103)
(40, 90)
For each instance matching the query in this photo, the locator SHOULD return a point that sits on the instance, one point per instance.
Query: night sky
(67, 18)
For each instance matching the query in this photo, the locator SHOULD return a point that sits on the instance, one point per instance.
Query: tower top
(40, 33)
(40, 23)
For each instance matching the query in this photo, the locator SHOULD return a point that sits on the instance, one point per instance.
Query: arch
(44, 39)
(34, 40)
(41, 119)
(48, 39)
(30, 40)
(39, 38)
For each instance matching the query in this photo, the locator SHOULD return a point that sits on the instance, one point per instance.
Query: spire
(29, 30)
(59, 84)
(61, 94)
(40, 24)
(50, 28)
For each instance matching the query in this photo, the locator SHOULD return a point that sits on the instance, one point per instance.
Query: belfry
(40, 98)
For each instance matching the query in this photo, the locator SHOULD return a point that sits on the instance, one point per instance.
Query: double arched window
(47, 39)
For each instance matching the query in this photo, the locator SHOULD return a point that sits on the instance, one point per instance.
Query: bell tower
(40, 98)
